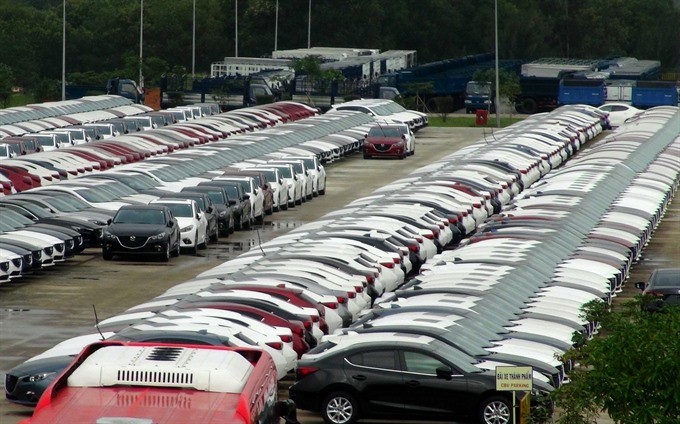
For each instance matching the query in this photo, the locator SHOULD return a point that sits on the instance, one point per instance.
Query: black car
(242, 215)
(142, 229)
(662, 289)
(391, 375)
(91, 232)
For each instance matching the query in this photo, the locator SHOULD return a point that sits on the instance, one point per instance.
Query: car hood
(45, 365)
(141, 230)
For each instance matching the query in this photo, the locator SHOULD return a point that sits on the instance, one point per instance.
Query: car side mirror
(640, 285)
(246, 196)
(209, 209)
(231, 202)
(281, 181)
(444, 372)
(171, 224)
(198, 216)
(109, 221)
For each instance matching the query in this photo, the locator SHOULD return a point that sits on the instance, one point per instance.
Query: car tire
(194, 249)
(107, 256)
(175, 253)
(206, 240)
(339, 408)
(165, 256)
(495, 410)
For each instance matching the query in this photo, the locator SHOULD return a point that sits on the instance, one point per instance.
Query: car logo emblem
(132, 238)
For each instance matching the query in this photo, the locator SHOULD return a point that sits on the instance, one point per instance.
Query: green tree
(6, 84)
(630, 370)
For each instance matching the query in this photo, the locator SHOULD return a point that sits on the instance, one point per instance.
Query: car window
(130, 216)
(181, 210)
(421, 363)
(383, 359)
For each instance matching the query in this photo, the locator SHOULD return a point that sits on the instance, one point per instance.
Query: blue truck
(120, 86)
(446, 79)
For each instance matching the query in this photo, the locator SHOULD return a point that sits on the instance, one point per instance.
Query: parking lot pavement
(39, 311)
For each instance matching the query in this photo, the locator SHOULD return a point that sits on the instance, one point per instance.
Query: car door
(375, 373)
(425, 394)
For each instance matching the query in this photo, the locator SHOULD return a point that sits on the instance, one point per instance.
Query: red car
(385, 141)
(165, 383)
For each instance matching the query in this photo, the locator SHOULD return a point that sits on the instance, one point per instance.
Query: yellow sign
(514, 378)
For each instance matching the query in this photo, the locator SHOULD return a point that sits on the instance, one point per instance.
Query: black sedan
(392, 375)
(142, 229)
(662, 289)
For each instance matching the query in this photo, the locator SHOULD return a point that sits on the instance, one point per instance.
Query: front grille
(10, 383)
(382, 147)
(49, 251)
(132, 242)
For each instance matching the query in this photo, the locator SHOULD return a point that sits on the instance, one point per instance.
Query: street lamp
(141, 36)
(498, 88)
(276, 26)
(236, 30)
(309, 26)
(193, 45)
(63, 54)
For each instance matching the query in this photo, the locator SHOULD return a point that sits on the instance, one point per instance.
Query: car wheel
(339, 408)
(165, 256)
(495, 410)
(107, 255)
(194, 249)
(206, 240)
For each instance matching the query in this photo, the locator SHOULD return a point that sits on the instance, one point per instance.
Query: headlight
(187, 228)
(108, 236)
(159, 236)
(38, 377)
(98, 222)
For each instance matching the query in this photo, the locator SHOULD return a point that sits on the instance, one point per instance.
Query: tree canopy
(102, 37)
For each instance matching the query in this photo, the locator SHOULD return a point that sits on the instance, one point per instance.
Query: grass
(20, 100)
(469, 121)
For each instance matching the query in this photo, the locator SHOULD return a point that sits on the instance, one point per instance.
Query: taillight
(396, 260)
(308, 325)
(419, 239)
(302, 372)
(477, 205)
(286, 338)
(331, 305)
(453, 220)
(299, 331)
(315, 318)
(387, 264)
(275, 345)
(414, 248)
(370, 279)
(342, 300)
(429, 236)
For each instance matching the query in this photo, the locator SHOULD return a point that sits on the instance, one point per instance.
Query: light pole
(193, 45)
(63, 54)
(498, 88)
(236, 26)
(276, 26)
(309, 26)
(141, 37)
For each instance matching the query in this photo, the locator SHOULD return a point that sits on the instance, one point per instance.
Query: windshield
(180, 210)
(47, 140)
(140, 216)
(36, 210)
(139, 182)
(217, 197)
(232, 192)
(384, 132)
(474, 87)
(285, 171)
(3, 150)
(73, 203)
(95, 196)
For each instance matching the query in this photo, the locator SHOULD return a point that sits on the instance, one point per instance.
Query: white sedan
(619, 112)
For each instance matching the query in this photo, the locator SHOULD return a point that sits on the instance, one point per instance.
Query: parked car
(391, 375)
(193, 229)
(219, 384)
(619, 112)
(142, 229)
(385, 141)
(663, 287)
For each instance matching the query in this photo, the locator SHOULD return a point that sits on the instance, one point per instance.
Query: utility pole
(309, 26)
(141, 37)
(63, 54)
(193, 45)
(498, 87)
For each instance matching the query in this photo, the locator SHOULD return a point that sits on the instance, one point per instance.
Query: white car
(619, 112)
(253, 191)
(192, 222)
